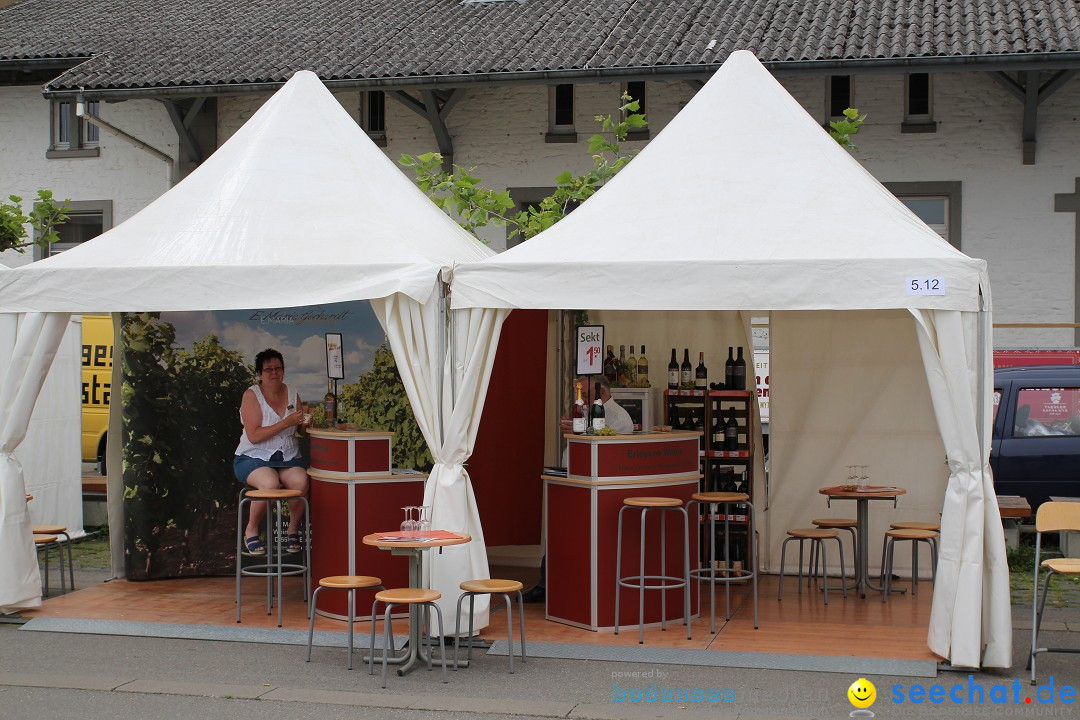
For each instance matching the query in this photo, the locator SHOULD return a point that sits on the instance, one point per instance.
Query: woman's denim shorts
(244, 464)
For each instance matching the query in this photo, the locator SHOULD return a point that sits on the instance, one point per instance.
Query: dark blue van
(1036, 445)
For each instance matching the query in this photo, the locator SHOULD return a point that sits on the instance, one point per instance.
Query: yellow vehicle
(97, 360)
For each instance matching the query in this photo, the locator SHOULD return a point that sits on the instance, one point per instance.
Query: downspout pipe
(96, 121)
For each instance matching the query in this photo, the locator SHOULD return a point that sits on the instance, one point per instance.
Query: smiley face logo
(862, 693)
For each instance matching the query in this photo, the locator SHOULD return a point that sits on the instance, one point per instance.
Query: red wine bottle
(740, 371)
(729, 369)
(673, 372)
(597, 410)
(701, 375)
(731, 432)
(685, 370)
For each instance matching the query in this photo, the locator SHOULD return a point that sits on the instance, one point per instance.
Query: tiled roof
(158, 43)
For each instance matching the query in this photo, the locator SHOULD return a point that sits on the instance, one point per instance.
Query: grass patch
(1064, 589)
(92, 552)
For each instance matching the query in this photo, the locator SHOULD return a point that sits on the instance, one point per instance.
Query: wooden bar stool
(405, 596)
(916, 536)
(849, 524)
(274, 567)
(727, 575)
(473, 588)
(664, 582)
(47, 543)
(817, 537)
(351, 583)
(59, 530)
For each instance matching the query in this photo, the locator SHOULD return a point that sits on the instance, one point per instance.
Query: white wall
(1008, 217)
(128, 176)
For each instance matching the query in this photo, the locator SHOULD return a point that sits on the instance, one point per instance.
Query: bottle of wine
(330, 405)
(631, 365)
(673, 372)
(717, 432)
(611, 372)
(701, 375)
(736, 555)
(597, 410)
(643, 367)
(729, 369)
(686, 369)
(623, 371)
(740, 371)
(731, 431)
(580, 411)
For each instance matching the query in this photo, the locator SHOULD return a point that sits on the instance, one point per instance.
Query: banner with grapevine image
(183, 377)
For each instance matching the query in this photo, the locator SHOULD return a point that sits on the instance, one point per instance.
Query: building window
(918, 104)
(86, 220)
(71, 135)
(561, 114)
(373, 115)
(636, 91)
(936, 203)
(839, 95)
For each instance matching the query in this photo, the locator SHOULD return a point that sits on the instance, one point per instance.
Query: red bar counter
(582, 514)
(354, 493)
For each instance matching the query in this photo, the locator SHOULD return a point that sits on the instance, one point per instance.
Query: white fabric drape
(449, 423)
(970, 620)
(27, 347)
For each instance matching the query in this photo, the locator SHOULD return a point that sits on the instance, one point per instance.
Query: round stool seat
(812, 533)
(915, 526)
(1068, 566)
(44, 539)
(276, 494)
(491, 586)
(837, 523)
(648, 502)
(349, 582)
(405, 596)
(47, 529)
(720, 497)
(911, 534)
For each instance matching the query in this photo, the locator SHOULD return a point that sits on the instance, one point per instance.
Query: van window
(997, 402)
(1047, 412)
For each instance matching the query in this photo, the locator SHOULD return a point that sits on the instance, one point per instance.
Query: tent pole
(981, 385)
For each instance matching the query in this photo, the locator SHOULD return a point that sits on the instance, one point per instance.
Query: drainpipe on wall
(80, 110)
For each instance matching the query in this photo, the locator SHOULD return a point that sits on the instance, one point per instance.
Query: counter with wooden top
(581, 517)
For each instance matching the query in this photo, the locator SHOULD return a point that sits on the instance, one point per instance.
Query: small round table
(413, 548)
(862, 499)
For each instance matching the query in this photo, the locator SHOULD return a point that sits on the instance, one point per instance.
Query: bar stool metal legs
(817, 538)
(663, 581)
(472, 588)
(59, 530)
(47, 543)
(275, 566)
(916, 536)
(405, 596)
(727, 575)
(350, 583)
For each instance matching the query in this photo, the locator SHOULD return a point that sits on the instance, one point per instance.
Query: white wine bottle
(330, 405)
(580, 412)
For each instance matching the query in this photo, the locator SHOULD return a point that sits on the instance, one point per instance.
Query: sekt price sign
(590, 349)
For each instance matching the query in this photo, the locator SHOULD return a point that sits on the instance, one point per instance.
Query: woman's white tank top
(285, 441)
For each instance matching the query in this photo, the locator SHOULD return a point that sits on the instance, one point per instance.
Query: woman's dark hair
(267, 354)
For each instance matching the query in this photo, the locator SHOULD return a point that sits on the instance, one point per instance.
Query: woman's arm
(251, 415)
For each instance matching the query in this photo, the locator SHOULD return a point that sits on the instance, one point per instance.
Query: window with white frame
(561, 126)
(373, 115)
(86, 220)
(918, 103)
(935, 203)
(71, 135)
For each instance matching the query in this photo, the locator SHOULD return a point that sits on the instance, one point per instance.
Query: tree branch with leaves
(44, 219)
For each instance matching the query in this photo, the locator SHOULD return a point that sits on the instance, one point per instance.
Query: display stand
(582, 511)
(354, 492)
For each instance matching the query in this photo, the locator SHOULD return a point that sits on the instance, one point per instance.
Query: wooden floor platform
(800, 624)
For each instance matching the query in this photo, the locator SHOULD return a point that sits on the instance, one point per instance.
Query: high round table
(412, 549)
(862, 500)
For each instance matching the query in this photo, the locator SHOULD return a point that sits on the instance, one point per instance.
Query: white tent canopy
(744, 203)
(299, 207)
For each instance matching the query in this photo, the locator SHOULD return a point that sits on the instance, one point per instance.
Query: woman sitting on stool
(268, 456)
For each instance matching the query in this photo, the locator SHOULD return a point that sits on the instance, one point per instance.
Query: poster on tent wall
(183, 378)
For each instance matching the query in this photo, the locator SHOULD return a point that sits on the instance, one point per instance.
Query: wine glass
(864, 476)
(852, 476)
(425, 518)
(409, 525)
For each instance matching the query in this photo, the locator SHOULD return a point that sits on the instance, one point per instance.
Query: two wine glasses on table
(858, 476)
(417, 518)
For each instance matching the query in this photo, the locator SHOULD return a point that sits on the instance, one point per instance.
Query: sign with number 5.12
(925, 285)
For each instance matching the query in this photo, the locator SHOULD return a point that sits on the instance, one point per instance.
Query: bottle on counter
(631, 367)
(330, 405)
(597, 410)
(699, 425)
(673, 372)
(701, 375)
(717, 432)
(731, 432)
(729, 369)
(686, 370)
(643, 367)
(581, 413)
(611, 372)
(740, 371)
(736, 555)
(623, 370)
